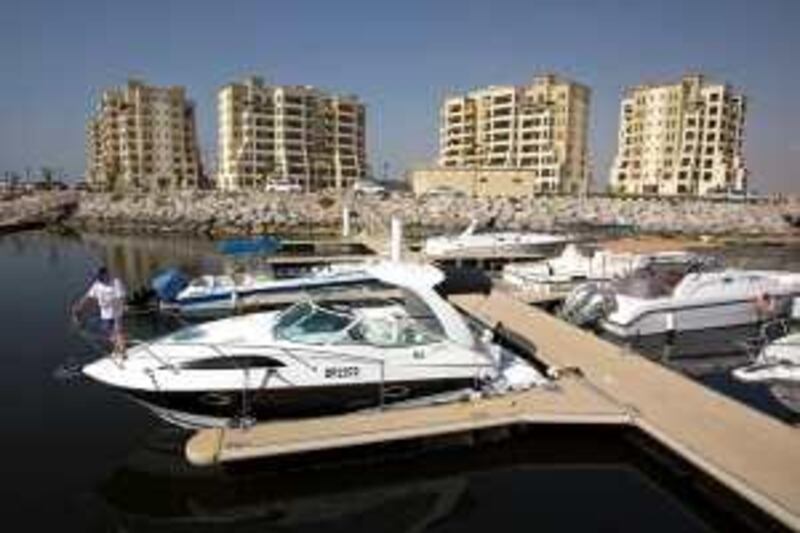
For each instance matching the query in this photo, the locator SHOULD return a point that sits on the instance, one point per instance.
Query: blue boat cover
(255, 245)
(168, 284)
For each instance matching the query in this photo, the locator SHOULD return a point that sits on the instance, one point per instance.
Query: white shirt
(109, 298)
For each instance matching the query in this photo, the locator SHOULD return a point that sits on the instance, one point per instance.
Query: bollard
(396, 240)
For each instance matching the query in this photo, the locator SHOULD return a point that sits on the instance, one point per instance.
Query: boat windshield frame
(351, 327)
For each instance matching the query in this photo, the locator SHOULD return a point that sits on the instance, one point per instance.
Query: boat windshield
(386, 326)
(309, 323)
(651, 281)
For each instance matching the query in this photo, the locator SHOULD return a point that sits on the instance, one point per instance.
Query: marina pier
(751, 454)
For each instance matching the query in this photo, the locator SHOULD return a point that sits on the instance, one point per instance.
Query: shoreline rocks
(36, 210)
(216, 213)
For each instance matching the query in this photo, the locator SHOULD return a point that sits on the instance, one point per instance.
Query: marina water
(77, 458)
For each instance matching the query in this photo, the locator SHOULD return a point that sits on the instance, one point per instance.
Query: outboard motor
(587, 304)
(464, 280)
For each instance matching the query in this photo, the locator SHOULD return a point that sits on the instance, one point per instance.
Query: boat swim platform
(752, 454)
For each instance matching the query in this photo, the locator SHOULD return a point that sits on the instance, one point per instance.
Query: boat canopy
(168, 284)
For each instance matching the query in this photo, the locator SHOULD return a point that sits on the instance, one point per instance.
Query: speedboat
(778, 366)
(315, 358)
(555, 278)
(679, 298)
(225, 293)
(470, 241)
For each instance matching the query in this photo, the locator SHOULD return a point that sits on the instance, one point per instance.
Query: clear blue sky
(400, 57)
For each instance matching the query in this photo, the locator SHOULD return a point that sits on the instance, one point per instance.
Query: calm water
(79, 458)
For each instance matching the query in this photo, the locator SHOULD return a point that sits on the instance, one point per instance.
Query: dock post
(345, 221)
(396, 239)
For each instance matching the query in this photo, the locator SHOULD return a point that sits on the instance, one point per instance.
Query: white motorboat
(314, 358)
(556, 277)
(224, 293)
(659, 300)
(778, 366)
(470, 241)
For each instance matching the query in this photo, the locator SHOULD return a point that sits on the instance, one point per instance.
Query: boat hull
(705, 316)
(212, 408)
(788, 393)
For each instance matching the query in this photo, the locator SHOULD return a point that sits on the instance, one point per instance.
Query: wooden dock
(570, 402)
(754, 455)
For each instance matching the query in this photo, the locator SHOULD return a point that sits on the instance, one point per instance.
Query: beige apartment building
(536, 132)
(143, 137)
(683, 138)
(296, 135)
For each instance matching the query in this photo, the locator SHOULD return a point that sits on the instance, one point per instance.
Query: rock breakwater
(217, 213)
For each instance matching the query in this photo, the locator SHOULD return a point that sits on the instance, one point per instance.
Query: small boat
(778, 366)
(316, 358)
(659, 299)
(555, 278)
(225, 293)
(470, 241)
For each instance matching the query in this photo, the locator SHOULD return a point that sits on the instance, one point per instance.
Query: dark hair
(102, 273)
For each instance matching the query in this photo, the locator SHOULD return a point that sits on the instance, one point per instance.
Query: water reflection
(135, 258)
(531, 483)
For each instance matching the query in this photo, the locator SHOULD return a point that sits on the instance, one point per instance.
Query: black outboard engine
(464, 280)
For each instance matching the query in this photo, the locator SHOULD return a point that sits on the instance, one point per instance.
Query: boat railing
(296, 354)
(233, 349)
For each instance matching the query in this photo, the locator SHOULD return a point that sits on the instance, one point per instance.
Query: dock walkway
(754, 455)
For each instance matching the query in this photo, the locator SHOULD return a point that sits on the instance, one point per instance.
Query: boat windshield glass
(388, 325)
(310, 323)
(651, 281)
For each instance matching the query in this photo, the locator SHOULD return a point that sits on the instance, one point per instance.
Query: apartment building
(539, 130)
(683, 138)
(143, 137)
(298, 135)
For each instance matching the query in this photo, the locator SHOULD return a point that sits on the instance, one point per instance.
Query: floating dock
(755, 456)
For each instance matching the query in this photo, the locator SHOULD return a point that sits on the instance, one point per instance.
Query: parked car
(283, 186)
(444, 191)
(369, 187)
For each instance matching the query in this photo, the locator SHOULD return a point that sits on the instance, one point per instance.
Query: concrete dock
(755, 456)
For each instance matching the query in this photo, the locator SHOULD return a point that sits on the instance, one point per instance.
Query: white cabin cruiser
(556, 277)
(313, 359)
(654, 300)
(471, 241)
(224, 293)
(778, 366)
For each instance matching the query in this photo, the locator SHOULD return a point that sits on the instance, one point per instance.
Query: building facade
(143, 137)
(289, 134)
(683, 138)
(479, 182)
(539, 129)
